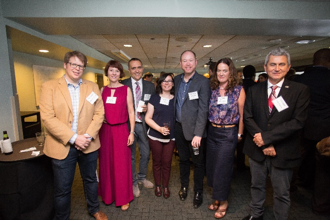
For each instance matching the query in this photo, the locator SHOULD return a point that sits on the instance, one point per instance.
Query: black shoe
(183, 193)
(249, 217)
(198, 199)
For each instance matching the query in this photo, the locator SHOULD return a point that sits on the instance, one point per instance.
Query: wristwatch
(240, 135)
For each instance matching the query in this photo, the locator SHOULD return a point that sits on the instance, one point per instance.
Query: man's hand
(82, 142)
(144, 108)
(258, 140)
(196, 141)
(269, 151)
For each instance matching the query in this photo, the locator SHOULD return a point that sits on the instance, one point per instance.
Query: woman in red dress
(115, 171)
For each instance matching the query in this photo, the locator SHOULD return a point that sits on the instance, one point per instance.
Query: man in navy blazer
(192, 94)
(135, 68)
(272, 140)
(314, 169)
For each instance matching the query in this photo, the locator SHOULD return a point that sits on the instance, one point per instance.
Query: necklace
(222, 89)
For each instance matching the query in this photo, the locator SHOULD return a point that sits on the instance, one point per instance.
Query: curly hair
(233, 77)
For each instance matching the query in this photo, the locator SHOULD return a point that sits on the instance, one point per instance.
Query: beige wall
(23, 65)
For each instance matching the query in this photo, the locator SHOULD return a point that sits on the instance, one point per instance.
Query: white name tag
(92, 98)
(111, 100)
(147, 97)
(139, 109)
(223, 100)
(164, 101)
(193, 95)
(280, 104)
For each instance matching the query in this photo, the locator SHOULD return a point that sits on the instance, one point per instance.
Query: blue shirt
(75, 95)
(182, 92)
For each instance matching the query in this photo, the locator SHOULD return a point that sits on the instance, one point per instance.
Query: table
(26, 183)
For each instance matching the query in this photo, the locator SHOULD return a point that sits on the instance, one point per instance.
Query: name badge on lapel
(193, 95)
(147, 97)
(164, 101)
(222, 100)
(92, 97)
(280, 104)
(111, 100)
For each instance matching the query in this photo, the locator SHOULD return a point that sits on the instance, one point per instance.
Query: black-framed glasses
(73, 65)
(167, 82)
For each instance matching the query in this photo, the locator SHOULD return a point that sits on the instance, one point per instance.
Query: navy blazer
(280, 129)
(194, 113)
(317, 78)
(147, 88)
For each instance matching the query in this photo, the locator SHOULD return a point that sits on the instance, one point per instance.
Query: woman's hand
(130, 139)
(164, 131)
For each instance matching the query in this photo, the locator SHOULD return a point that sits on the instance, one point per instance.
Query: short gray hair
(278, 52)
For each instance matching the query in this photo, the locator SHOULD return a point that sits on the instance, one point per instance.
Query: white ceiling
(159, 41)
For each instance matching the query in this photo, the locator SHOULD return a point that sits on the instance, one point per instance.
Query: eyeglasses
(167, 82)
(73, 65)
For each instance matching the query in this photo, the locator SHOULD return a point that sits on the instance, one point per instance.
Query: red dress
(115, 170)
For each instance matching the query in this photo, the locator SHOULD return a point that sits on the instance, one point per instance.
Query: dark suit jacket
(147, 88)
(278, 128)
(247, 83)
(317, 126)
(194, 113)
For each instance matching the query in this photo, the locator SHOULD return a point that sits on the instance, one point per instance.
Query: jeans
(280, 179)
(220, 154)
(64, 171)
(185, 152)
(144, 148)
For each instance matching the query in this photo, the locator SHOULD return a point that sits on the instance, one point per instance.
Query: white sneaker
(146, 183)
(136, 190)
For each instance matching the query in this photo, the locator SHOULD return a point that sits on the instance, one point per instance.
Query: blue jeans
(220, 154)
(64, 171)
(144, 148)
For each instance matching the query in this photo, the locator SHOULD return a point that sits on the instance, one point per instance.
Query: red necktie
(138, 95)
(271, 98)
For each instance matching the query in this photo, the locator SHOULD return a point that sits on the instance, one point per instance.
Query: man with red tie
(274, 113)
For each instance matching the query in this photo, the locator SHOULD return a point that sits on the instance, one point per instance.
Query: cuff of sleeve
(73, 139)
(90, 137)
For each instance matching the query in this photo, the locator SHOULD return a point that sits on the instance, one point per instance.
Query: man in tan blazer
(72, 112)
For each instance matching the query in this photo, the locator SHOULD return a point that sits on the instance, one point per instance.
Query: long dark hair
(233, 77)
(162, 78)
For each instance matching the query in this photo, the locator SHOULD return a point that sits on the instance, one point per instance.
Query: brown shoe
(100, 216)
(158, 191)
(166, 192)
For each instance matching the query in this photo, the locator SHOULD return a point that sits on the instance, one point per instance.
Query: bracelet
(132, 132)
(240, 135)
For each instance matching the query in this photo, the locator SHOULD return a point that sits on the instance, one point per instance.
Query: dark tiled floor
(150, 207)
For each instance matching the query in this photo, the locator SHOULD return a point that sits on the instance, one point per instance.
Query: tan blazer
(56, 115)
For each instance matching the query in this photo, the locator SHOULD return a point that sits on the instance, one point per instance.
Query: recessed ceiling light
(207, 46)
(304, 42)
(275, 40)
(128, 46)
(43, 51)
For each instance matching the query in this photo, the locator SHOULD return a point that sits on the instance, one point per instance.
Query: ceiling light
(275, 40)
(304, 42)
(207, 46)
(43, 51)
(128, 46)
(121, 55)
